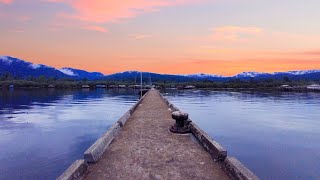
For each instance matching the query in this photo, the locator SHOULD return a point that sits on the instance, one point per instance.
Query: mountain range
(23, 69)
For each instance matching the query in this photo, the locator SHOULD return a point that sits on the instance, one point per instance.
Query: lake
(275, 134)
(43, 131)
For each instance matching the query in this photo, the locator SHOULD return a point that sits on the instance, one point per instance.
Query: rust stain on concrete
(145, 149)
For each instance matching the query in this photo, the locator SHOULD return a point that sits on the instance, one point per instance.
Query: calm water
(43, 131)
(276, 135)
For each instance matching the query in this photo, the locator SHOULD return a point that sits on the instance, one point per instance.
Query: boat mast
(141, 84)
(150, 82)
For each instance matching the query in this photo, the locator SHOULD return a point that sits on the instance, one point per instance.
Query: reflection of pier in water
(140, 146)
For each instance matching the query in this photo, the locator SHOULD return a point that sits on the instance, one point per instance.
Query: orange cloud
(100, 11)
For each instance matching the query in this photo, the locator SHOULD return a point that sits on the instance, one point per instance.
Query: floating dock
(140, 146)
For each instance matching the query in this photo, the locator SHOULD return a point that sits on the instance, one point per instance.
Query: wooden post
(141, 84)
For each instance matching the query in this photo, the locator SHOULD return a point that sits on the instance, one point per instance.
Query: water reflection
(276, 134)
(43, 131)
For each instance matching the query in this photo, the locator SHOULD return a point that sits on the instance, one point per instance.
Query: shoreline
(272, 89)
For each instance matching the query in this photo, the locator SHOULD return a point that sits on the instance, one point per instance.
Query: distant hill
(147, 76)
(293, 75)
(23, 69)
(81, 73)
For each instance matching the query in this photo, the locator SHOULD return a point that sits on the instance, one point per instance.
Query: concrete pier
(144, 148)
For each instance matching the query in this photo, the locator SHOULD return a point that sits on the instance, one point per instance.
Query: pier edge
(231, 165)
(77, 170)
(80, 167)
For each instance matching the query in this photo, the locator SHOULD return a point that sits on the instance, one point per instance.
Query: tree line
(6, 80)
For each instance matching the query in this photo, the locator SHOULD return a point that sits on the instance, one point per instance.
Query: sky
(223, 37)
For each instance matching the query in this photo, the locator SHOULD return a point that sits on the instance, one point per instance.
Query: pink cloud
(6, 1)
(100, 11)
(92, 14)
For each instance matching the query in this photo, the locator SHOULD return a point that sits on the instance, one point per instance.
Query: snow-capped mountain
(81, 73)
(298, 72)
(67, 71)
(202, 75)
(249, 75)
(277, 75)
(7, 60)
(23, 69)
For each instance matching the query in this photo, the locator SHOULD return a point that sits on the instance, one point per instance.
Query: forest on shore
(47, 82)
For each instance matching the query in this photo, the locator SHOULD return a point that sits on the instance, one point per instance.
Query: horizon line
(181, 74)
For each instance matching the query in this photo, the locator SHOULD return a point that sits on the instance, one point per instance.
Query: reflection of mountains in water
(11, 100)
(243, 95)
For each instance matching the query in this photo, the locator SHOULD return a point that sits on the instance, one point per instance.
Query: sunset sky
(223, 37)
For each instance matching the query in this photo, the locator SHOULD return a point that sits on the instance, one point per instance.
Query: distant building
(101, 86)
(285, 86)
(137, 86)
(122, 86)
(85, 86)
(314, 87)
(113, 86)
(189, 87)
(51, 86)
(180, 87)
(148, 86)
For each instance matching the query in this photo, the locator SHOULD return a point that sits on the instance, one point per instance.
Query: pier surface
(145, 149)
